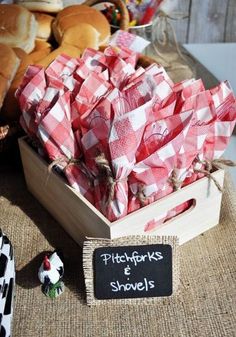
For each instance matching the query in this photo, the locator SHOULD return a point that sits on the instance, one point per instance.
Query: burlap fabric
(204, 306)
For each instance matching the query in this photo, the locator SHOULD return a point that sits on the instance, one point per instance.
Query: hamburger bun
(9, 65)
(44, 21)
(77, 14)
(41, 50)
(39, 55)
(47, 6)
(81, 36)
(25, 59)
(10, 109)
(18, 27)
(40, 44)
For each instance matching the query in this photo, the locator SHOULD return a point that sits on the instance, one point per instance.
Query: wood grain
(230, 26)
(81, 219)
(76, 215)
(181, 25)
(207, 21)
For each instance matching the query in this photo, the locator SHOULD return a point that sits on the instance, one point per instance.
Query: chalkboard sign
(133, 271)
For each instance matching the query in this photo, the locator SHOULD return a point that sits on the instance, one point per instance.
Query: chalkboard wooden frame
(91, 244)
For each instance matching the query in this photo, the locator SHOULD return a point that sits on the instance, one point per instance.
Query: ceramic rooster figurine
(50, 275)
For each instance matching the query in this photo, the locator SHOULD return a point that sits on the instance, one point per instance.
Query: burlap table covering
(204, 305)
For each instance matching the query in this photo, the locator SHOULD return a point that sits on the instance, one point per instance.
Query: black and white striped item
(7, 283)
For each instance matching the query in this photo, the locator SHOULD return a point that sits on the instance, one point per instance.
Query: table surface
(204, 305)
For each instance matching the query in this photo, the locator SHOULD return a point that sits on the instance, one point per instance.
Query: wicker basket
(9, 140)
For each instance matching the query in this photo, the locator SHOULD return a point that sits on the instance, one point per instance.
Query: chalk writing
(127, 270)
(133, 271)
(143, 285)
(135, 258)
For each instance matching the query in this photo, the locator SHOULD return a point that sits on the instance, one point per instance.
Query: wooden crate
(80, 218)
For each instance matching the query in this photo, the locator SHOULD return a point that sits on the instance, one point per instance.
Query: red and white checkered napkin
(112, 59)
(63, 74)
(55, 132)
(203, 114)
(184, 173)
(153, 75)
(220, 121)
(185, 90)
(103, 75)
(62, 67)
(222, 126)
(156, 157)
(46, 113)
(29, 93)
(124, 39)
(124, 141)
(122, 136)
(117, 143)
(189, 95)
(172, 103)
(92, 61)
(120, 67)
(144, 88)
(91, 91)
(126, 54)
(39, 88)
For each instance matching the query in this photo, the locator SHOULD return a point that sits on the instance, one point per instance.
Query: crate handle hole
(172, 214)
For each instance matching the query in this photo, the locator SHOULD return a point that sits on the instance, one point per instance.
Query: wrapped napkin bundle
(124, 136)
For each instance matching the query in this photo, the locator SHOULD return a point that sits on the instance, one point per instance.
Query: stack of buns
(76, 28)
(18, 27)
(31, 35)
(44, 22)
(74, 15)
(81, 36)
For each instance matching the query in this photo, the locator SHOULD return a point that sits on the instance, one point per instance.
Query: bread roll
(41, 50)
(25, 59)
(18, 27)
(66, 49)
(47, 6)
(20, 53)
(10, 109)
(81, 36)
(39, 55)
(40, 44)
(44, 21)
(9, 65)
(77, 14)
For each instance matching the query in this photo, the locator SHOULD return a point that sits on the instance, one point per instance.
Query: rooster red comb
(46, 263)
